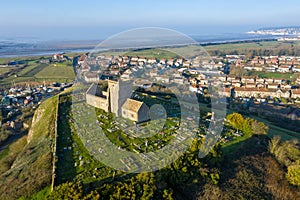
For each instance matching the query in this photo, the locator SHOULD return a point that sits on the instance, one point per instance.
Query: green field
(60, 71)
(262, 48)
(27, 69)
(21, 58)
(253, 45)
(35, 72)
(3, 70)
(187, 51)
(150, 53)
(240, 48)
(147, 53)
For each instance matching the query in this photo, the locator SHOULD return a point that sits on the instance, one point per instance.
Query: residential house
(134, 59)
(273, 85)
(186, 64)
(231, 78)
(82, 59)
(152, 60)
(284, 68)
(285, 86)
(260, 80)
(248, 79)
(278, 80)
(270, 68)
(257, 61)
(296, 69)
(260, 85)
(272, 60)
(295, 93)
(222, 78)
(91, 77)
(250, 85)
(260, 92)
(254, 68)
(162, 78)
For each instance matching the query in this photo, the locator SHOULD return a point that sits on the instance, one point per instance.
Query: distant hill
(280, 31)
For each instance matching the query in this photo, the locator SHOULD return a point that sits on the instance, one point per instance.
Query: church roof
(132, 105)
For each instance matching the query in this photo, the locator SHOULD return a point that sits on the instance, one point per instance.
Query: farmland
(39, 72)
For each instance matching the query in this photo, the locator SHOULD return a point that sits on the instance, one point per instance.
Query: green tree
(259, 128)
(167, 194)
(274, 144)
(67, 191)
(293, 174)
(238, 71)
(246, 126)
(236, 120)
(283, 100)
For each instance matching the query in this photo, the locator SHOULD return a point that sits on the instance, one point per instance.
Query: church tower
(118, 92)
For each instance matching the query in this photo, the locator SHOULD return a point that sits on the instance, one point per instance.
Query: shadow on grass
(65, 170)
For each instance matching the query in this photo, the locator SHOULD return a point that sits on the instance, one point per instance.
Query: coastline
(80, 46)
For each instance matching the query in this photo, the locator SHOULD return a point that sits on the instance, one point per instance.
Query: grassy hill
(27, 166)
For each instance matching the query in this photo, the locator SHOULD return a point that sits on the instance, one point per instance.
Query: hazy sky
(61, 19)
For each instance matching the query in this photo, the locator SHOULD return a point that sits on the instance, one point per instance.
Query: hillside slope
(29, 160)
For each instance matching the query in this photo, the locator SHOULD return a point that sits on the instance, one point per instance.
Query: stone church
(117, 100)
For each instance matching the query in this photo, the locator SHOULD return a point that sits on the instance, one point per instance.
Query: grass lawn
(3, 153)
(273, 75)
(230, 146)
(274, 130)
(74, 160)
(39, 195)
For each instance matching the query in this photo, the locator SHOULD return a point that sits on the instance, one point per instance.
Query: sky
(80, 20)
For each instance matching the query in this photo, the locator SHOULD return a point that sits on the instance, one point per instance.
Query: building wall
(113, 93)
(143, 113)
(97, 102)
(141, 116)
(130, 115)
